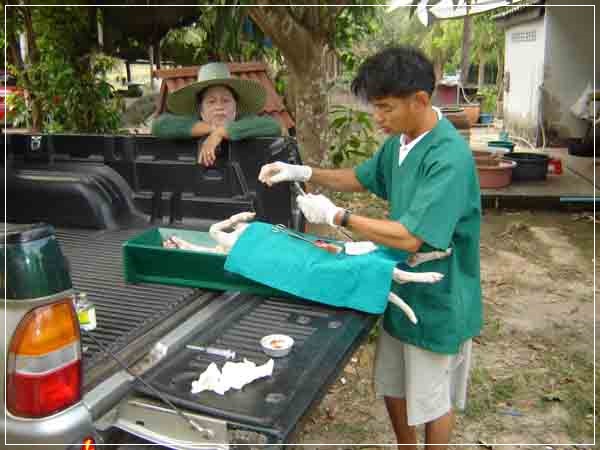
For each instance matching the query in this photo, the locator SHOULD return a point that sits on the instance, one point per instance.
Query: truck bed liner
(324, 339)
(124, 312)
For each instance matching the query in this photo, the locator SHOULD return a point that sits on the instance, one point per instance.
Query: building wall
(524, 64)
(569, 64)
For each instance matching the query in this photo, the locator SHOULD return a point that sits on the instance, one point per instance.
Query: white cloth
(405, 148)
(359, 248)
(430, 382)
(233, 375)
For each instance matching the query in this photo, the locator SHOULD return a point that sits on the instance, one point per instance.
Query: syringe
(225, 353)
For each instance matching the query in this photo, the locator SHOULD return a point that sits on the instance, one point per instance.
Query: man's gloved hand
(318, 208)
(279, 171)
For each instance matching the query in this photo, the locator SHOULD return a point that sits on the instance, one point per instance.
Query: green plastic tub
(508, 145)
(145, 260)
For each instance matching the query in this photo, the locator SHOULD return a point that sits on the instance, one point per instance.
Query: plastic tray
(145, 260)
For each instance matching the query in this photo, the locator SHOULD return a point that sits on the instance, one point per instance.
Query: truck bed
(132, 317)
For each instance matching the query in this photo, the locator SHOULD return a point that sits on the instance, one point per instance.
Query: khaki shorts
(430, 382)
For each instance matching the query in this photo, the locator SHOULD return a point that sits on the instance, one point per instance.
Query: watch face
(345, 218)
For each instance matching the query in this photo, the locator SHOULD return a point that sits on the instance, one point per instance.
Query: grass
(537, 382)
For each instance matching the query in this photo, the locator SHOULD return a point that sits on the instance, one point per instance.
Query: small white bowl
(277, 345)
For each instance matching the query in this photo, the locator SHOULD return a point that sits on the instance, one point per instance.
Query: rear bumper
(67, 428)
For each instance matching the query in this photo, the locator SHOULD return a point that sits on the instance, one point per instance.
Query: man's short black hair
(394, 72)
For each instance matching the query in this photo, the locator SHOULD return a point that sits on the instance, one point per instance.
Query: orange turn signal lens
(46, 329)
(88, 444)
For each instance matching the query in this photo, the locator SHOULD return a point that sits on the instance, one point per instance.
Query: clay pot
(458, 117)
(494, 174)
(472, 111)
(485, 154)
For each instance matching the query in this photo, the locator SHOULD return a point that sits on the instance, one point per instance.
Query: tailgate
(325, 338)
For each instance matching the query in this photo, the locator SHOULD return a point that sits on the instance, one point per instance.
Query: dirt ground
(532, 377)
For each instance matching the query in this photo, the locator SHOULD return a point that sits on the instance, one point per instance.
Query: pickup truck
(71, 203)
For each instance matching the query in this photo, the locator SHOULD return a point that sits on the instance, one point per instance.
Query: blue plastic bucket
(486, 118)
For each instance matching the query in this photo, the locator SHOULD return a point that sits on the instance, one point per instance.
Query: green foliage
(217, 35)
(184, 46)
(353, 136)
(488, 39)
(441, 41)
(66, 79)
(354, 25)
(489, 96)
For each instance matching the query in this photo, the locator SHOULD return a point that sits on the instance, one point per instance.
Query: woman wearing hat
(218, 106)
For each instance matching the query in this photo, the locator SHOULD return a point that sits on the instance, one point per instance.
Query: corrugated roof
(509, 12)
(173, 79)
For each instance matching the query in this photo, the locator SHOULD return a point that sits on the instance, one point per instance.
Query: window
(524, 36)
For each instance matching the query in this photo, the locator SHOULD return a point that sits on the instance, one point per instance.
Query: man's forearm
(343, 180)
(387, 232)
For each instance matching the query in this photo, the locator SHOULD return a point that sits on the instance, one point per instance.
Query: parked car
(64, 385)
(8, 87)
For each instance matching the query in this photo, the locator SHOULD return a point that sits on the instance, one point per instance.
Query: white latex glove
(279, 171)
(318, 208)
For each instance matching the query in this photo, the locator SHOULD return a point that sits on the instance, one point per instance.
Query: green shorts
(430, 382)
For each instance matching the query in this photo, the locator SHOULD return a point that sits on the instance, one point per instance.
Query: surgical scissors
(280, 228)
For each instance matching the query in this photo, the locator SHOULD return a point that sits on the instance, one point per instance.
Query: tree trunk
(500, 84)
(500, 75)
(302, 37)
(128, 70)
(481, 72)
(151, 56)
(93, 27)
(33, 57)
(438, 67)
(310, 94)
(157, 54)
(466, 47)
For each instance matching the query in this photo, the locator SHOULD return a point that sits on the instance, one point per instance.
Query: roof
(509, 12)
(173, 79)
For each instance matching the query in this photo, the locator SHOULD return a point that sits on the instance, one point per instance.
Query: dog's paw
(430, 277)
(242, 217)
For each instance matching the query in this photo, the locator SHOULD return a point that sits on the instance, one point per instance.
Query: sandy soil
(532, 381)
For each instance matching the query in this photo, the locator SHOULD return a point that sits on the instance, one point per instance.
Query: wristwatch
(345, 218)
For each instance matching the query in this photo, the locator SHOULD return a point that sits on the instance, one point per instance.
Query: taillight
(44, 362)
(88, 444)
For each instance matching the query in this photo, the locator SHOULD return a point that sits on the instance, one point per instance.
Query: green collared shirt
(435, 194)
(174, 126)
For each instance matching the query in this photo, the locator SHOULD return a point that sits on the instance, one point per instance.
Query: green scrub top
(435, 194)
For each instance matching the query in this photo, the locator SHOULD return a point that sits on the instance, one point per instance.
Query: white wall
(569, 64)
(524, 61)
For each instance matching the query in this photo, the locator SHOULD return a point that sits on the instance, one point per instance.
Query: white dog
(238, 222)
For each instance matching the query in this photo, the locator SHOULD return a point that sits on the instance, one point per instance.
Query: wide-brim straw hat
(251, 95)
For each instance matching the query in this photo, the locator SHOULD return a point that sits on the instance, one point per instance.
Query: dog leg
(419, 258)
(393, 298)
(402, 276)
(175, 242)
(227, 240)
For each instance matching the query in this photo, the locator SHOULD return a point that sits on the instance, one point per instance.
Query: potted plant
(488, 96)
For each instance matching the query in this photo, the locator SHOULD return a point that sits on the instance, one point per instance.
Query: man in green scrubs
(425, 170)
